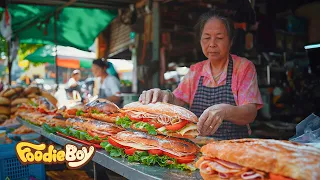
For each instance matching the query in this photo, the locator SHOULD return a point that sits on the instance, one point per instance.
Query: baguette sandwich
(162, 118)
(251, 159)
(151, 150)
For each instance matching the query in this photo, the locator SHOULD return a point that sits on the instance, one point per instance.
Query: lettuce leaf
(164, 161)
(151, 129)
(124, 122)
(95, 111)
(69, 131)
(48, 128)
(184, 167)
(62, 130)
(113, 151)
(79, 113)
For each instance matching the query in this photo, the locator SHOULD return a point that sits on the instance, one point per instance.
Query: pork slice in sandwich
(89, 129)
(160, 118)
(252, 159)
(101, 129)
(75, 111)
(77, 123)
(56, 120)
(33, 117)
(103, 110)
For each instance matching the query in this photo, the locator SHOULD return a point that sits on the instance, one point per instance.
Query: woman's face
(77, 77)
(97, 71)
(215, 41)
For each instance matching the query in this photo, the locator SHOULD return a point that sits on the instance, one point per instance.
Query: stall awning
(67, 57)
(76, 27)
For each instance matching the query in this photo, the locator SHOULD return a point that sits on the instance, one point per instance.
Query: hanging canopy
(76, 27)
(67, 57)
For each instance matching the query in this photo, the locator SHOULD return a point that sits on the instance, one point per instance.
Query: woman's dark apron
(209, 96)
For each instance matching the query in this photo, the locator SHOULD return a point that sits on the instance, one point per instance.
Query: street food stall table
(119, 165)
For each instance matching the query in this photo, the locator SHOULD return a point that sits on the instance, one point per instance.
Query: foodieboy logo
(29, 153)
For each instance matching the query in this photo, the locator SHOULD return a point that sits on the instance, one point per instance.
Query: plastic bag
(308, 130)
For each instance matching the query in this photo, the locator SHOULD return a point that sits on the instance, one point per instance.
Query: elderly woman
(222, 90)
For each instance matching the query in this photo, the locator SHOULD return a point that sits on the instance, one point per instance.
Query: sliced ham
(223, 176)
(161, 118)
(228, 164)
(222, 169)
(251, 175)
(205, 168)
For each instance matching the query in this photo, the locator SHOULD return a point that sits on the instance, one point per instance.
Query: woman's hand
(211, 119)
(156, 95)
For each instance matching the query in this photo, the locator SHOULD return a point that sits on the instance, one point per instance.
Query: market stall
(122, 135)
(118, 165)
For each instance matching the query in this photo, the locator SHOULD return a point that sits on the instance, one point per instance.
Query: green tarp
(68, 57)
(76, 27)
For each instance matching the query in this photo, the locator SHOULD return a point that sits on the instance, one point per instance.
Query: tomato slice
(155, 124)
(146, 119)
(135, 119)
(178, 126)
(155, 152)
(139, 119)
(183, 159)
(278, 177)
(41, 110)
(101, 136)
(130, 151)
(72, 111)
(114, 143)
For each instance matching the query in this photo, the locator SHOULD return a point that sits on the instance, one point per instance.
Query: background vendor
(222, 90)
(109, 85)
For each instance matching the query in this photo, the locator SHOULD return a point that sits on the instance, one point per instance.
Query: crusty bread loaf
(19, 101)
(8, 93)
(31, 90)
(163, 108)
(18, 89)
(4, 101)
(5, 110)
(285, 158)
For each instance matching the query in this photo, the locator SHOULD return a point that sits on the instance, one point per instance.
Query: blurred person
(172, 76)
(109, 84)
(74, 80)
(72, 86)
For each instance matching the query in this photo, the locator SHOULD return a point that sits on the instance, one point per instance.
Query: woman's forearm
(177, 101)
(241, 115)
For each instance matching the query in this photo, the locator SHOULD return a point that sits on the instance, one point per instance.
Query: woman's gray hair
(204, 18)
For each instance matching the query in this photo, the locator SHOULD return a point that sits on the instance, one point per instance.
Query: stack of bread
(11, 98)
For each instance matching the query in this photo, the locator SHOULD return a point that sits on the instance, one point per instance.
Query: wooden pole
(56, 49)
(9, 62)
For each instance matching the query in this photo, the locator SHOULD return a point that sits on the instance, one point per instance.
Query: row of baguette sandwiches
(159, 134)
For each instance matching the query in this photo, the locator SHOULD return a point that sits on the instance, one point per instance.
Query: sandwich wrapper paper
(308, 131)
